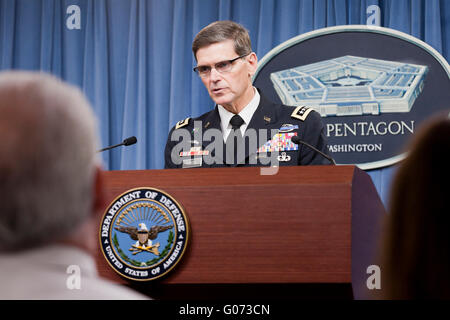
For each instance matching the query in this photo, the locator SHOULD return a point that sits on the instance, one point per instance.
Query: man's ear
(252, 60)
(99, 196)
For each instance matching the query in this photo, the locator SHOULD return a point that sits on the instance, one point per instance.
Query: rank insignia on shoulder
(182, 123)
(301, 113)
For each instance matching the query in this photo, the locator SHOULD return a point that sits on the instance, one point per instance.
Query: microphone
(297, 140)
(127, 142)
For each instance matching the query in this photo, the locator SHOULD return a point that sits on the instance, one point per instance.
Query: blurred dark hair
(415, 256)
(221, 31)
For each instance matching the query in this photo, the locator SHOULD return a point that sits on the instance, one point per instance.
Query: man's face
(232, 88)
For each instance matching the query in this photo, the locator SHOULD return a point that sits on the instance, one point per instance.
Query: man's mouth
(218, 90)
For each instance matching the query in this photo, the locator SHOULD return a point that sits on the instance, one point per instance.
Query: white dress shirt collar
(246, 114)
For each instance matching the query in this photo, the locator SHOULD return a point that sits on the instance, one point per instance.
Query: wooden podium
(302, 232)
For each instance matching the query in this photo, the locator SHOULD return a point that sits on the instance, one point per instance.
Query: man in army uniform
(244, 129)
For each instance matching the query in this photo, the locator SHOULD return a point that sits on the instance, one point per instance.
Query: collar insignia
(182, 123)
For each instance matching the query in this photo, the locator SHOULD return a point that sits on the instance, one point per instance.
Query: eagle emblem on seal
(144, 237)
(144, 233)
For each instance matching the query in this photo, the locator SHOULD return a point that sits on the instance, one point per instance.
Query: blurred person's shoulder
(57, 272)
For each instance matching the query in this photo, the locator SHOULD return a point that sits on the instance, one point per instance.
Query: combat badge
(143, 234)
(287, 127)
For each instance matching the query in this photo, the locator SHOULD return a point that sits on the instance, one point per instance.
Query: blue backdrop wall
(133, 59)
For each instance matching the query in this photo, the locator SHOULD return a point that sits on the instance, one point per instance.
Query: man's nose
(214, 75)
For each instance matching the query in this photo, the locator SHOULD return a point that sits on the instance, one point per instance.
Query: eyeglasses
(221, 67)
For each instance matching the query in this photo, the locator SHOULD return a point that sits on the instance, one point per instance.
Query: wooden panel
(292, 227)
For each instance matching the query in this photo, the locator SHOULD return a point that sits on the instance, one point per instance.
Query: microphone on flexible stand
(127, 142)
(297, 140)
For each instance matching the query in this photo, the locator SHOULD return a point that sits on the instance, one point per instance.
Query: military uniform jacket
(199, 142)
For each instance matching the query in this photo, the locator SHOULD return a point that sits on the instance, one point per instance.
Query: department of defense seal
(143, 234)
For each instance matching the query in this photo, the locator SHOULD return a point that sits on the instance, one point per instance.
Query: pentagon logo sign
(373, 87)
(143, 234)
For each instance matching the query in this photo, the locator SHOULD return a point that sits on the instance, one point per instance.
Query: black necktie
(235, 142)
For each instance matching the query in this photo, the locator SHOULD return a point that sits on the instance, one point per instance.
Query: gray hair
(220, 31)
(48, 159)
